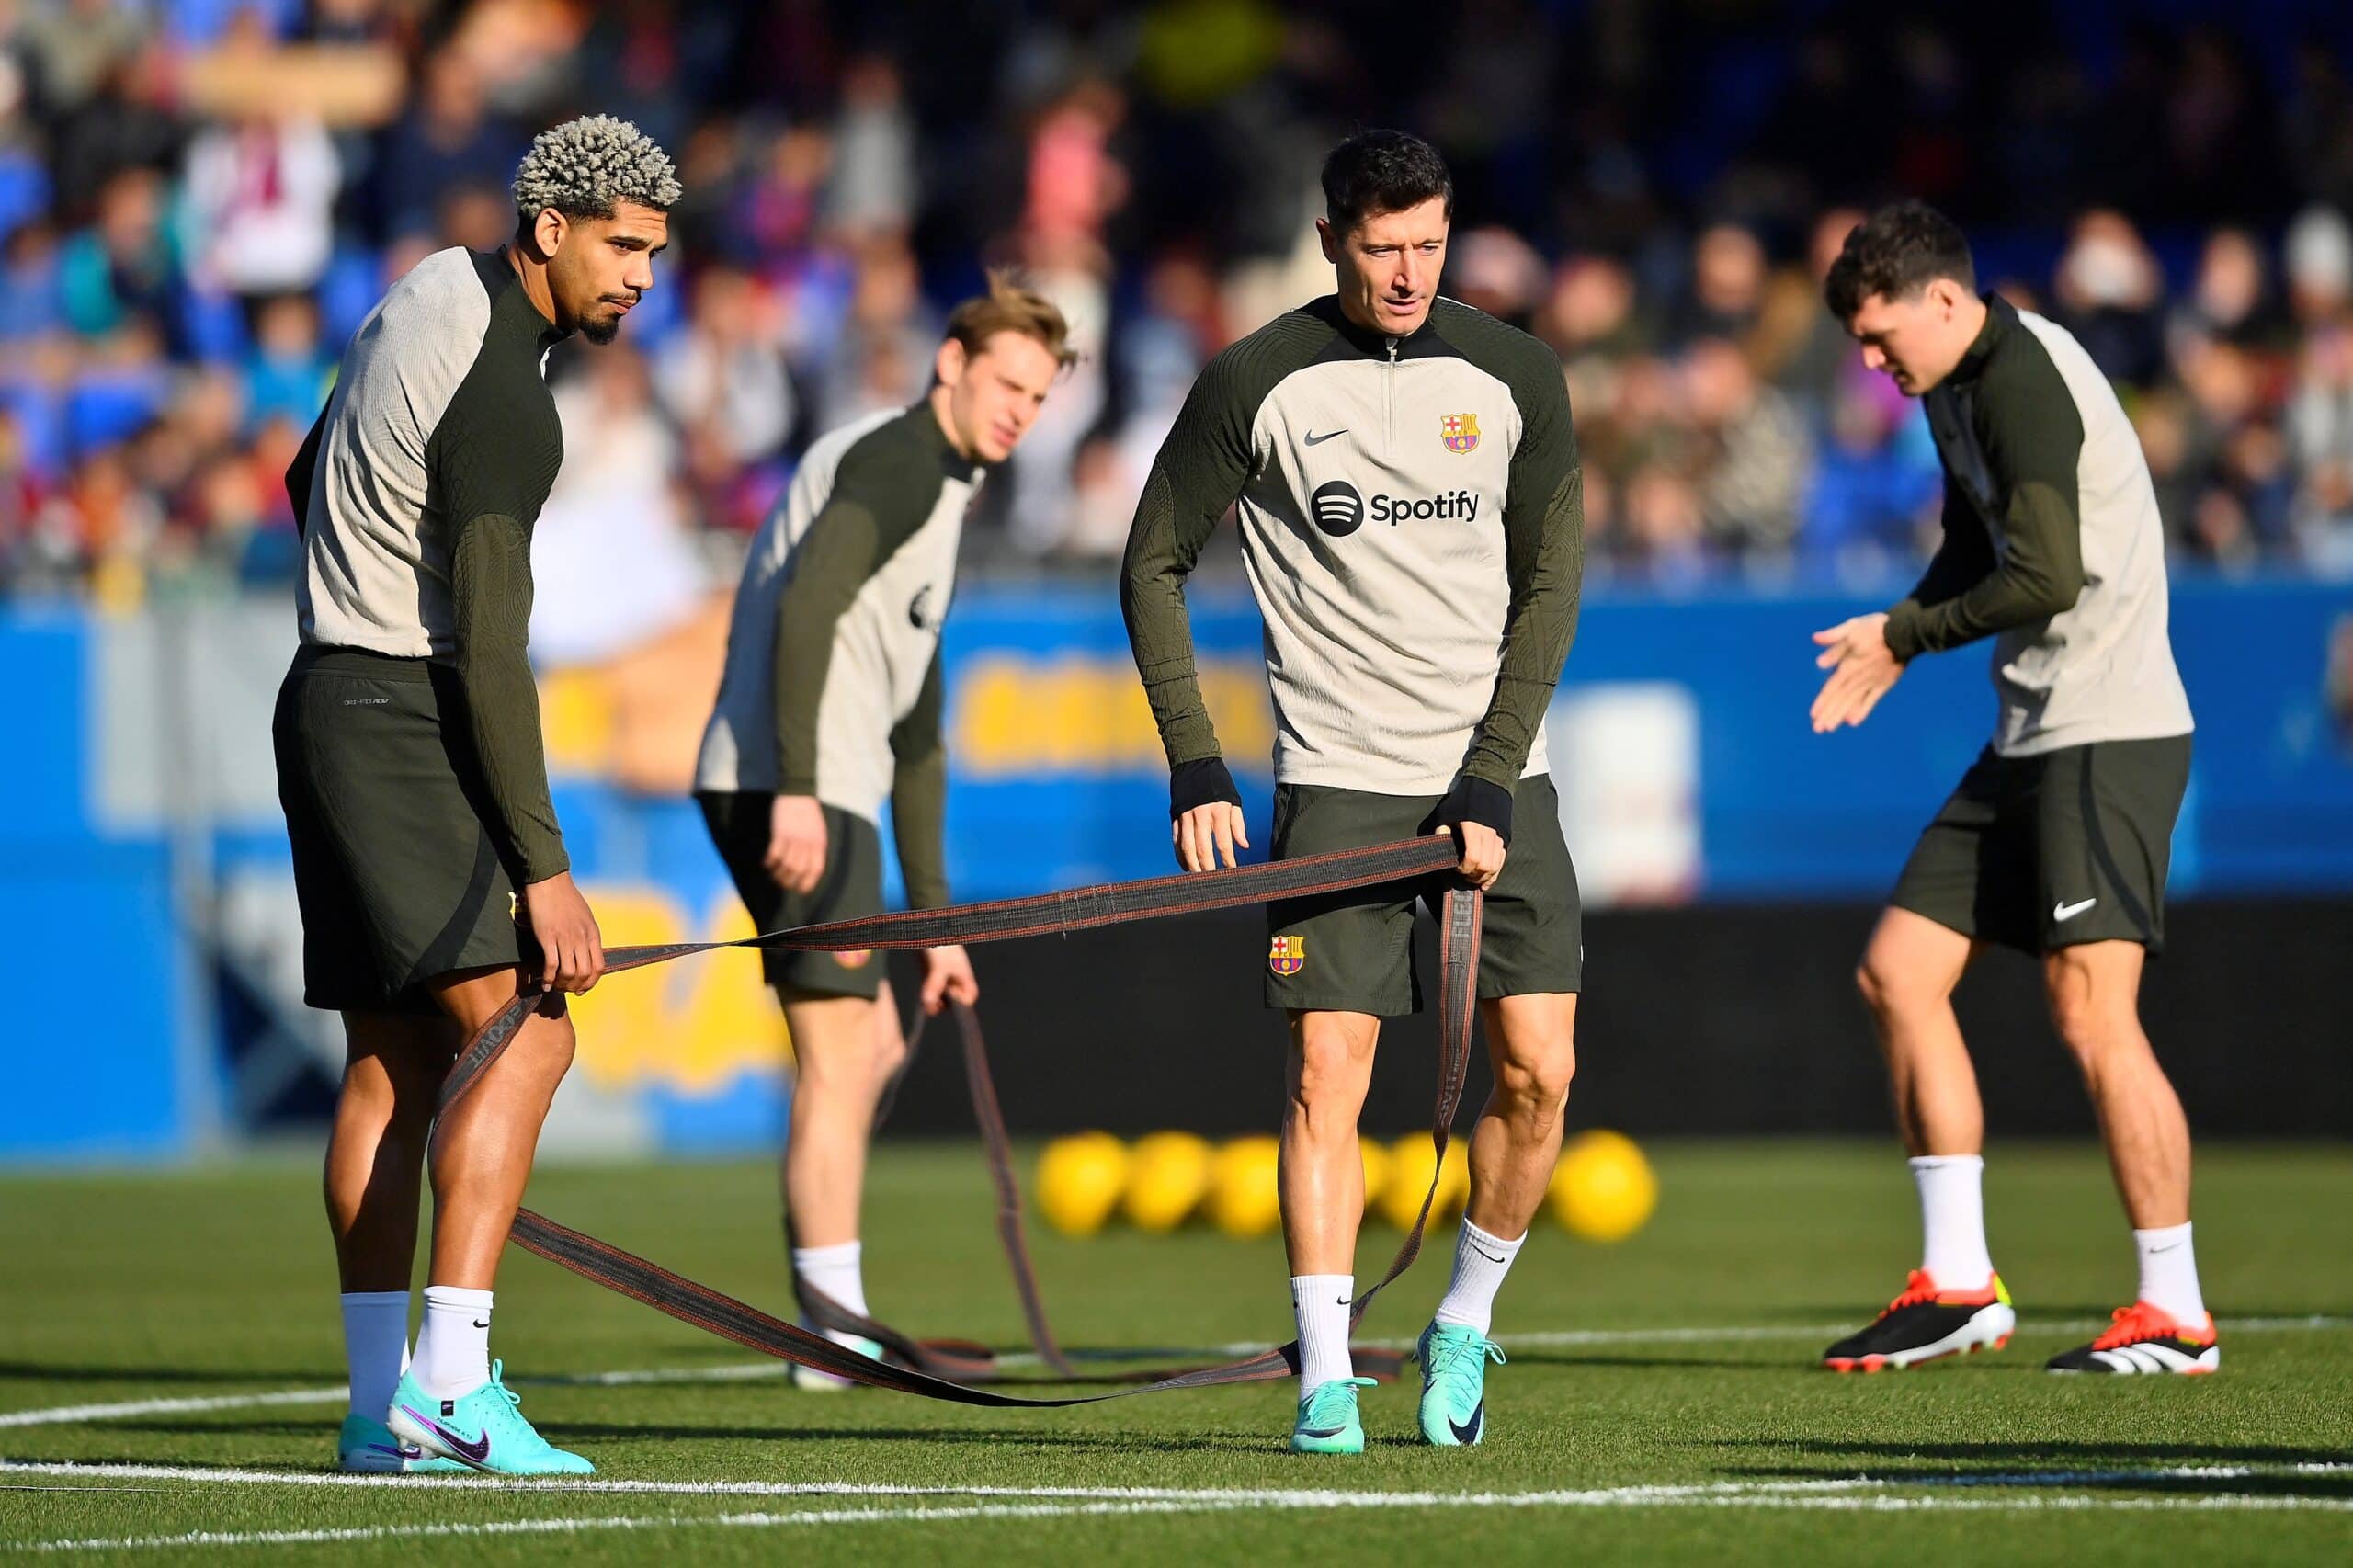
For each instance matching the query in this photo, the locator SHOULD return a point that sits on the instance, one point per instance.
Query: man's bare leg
(1531, 1045)
(374, 1173)
(1321, 1179)
(2094, 991)
(1907, 978)
(845, 1050)
(483, 1158)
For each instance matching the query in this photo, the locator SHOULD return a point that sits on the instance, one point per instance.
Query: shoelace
(2138, 1320)
(1449, 1355)
(1316, 1399)
(498, 1386)
(1918, 1289)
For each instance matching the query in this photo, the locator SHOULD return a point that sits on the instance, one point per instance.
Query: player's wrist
(1204, 782)
(1482, 801)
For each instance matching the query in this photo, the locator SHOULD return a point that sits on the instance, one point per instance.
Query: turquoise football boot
(1327, 1420)
(1454, 1384)
(367, 1447)
(482, 1430)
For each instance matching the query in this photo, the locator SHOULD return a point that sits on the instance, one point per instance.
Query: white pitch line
(758, 1370)
(61, 1414)
(1862, 1494)
(1265, 1496)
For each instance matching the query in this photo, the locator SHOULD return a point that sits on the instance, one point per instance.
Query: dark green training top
(832, 686)
(2053, 545)
(1412, 523)
(416, 491)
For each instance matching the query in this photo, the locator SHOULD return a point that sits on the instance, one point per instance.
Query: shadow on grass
(587, 1433)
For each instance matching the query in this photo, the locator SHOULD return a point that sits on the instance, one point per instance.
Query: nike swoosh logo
(482, 1322)
(473, 1450)
(1321, 1431)
(1468, 1431)
(2069, 911)
(1315, 440)
(1483, 1251)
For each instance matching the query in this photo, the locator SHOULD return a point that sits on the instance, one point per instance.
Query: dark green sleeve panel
(491, 589)
(884, 491)
(490, 463)
(2033, 435)
(1203, 464)
(305, 467)
(920, 795)
(1543, 555)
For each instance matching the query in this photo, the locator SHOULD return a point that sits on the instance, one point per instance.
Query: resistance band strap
(1082, 909)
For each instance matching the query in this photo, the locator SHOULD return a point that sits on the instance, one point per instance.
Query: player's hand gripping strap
(1045, 914)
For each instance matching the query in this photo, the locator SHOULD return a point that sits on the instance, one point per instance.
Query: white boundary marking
(1863, 1493)
(754, 1371)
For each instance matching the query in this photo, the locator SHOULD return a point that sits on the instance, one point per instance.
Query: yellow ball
(1409, 1177)
(1079, 1181)
(1243, 1197)
(1603, 1190)
(1168, 1174)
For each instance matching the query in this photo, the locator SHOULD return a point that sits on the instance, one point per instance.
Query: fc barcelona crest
(1459, 431)
(1288, 956)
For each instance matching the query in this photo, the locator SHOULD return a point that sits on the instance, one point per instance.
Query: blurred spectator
(184, 252)
(2107, 291)
(1756, 452)
(612, 557)
(448, 138)
(285, 376)
(124, 265)
(261, 194)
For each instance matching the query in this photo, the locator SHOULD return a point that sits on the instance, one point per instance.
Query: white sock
(836, 1271)
(1320, 1303)
(453, 1343)
(1481, 1261)
(375, 1348)
(2169, 1273)
(1952, 1221)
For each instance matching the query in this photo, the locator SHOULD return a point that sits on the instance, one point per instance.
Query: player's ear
(548, 231)
(949, 364)
(1330, 238)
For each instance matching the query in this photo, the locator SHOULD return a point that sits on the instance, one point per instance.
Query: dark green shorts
(1353, 951)
(398, 880)
(2053, 850)
(851, 887)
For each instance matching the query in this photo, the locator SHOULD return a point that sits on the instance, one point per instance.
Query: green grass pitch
(195, 1309)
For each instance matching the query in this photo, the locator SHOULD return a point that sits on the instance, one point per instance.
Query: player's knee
(1890, 985)
(2094, 1026)
(1538, 1082)
(1334, 1068)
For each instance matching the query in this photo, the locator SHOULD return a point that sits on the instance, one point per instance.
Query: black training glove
(1200, 782)
(1479, 800)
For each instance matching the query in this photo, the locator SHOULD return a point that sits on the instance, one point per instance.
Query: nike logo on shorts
(1315, 440)
(2064, 911)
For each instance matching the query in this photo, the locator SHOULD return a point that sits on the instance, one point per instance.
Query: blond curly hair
(583, 167)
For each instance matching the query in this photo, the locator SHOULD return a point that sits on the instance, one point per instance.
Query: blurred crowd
(201, 199)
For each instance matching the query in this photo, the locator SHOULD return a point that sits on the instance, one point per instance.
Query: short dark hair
(1894, 252)
(1382, 171)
